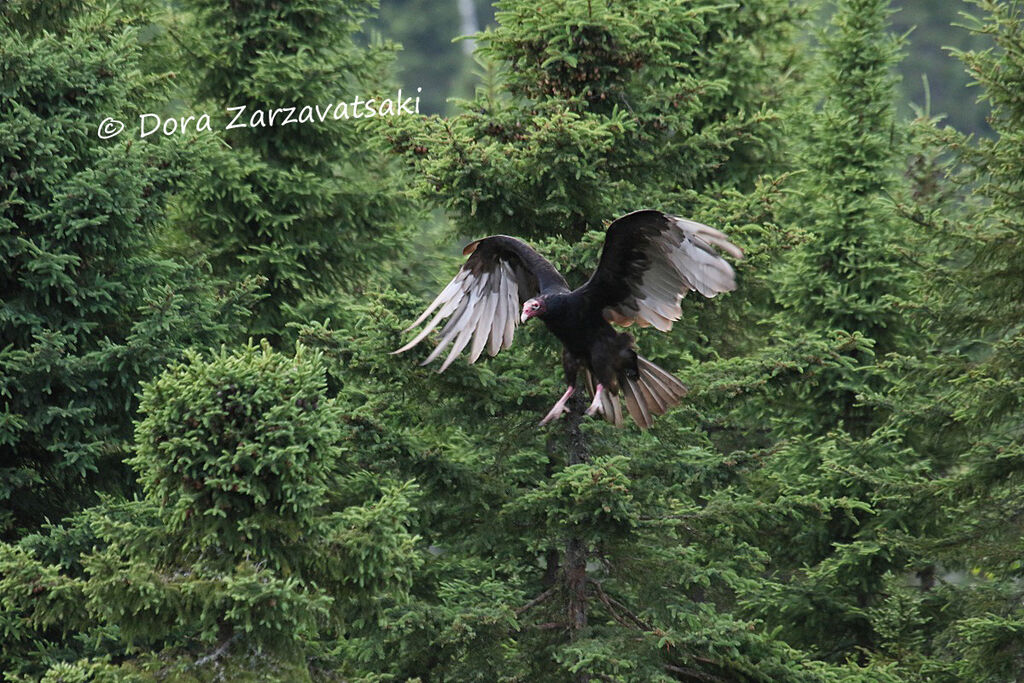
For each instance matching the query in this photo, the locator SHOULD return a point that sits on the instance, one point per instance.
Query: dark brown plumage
(649, 261)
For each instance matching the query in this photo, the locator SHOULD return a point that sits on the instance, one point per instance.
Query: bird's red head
(532, 308)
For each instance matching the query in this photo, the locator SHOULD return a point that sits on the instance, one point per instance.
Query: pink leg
(595, 405)
(559, 407)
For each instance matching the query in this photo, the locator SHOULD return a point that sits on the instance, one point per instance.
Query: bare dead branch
(216, 654)
(614, 604)
(536, 601)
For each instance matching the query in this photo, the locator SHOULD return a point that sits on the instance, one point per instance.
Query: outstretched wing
(649, 261)
(482, 301)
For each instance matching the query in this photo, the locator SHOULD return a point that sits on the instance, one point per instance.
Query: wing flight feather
(650, 261)
(481, 302)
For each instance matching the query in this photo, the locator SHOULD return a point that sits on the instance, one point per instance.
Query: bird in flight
(649, 261)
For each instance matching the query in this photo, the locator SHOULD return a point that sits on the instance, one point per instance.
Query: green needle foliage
(597, 97)
(603, 107)
(88, 308)
(850, 276)
(844, 295)
(961, 406)
(836, 499)
(256, 534)
(311, 205)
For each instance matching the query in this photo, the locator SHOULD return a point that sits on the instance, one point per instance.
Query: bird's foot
(595, 405)
(559, 407)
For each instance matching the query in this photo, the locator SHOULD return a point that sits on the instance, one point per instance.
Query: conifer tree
(88, 308)
(598, 97)
(961, 404)
(835, 500)
(258, 544)
(309, 205)
(849, 276)
(845, 289)
(591, 553)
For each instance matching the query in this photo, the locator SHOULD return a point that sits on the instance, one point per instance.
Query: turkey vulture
(649, 261)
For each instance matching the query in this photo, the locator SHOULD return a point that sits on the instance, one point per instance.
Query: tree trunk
(576, 549)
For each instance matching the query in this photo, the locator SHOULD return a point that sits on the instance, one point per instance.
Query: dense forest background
(213, 468)
(931, 76)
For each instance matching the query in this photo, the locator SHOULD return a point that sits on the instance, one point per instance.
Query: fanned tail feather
(652, 393)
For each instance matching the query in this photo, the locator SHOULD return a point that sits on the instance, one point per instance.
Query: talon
(595, 405)
(559, 407)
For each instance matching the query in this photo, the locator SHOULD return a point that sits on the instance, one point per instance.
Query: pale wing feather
(684, 259)
(497, 332)
(511, 303)
(441, 345)
(445, 296)
(459, 327)
(470, 319)
(481, 311)
(707, 273)
(446, 310)
(483, 326)
(708, 235)
(455, 324)
(465, 334)
(680, 256)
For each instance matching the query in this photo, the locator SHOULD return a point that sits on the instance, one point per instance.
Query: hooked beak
(524, 317)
